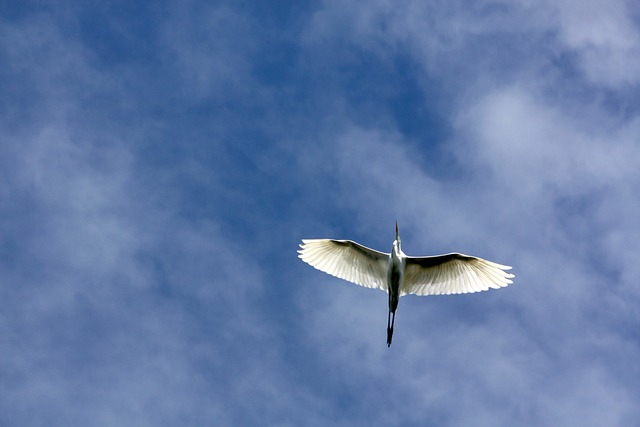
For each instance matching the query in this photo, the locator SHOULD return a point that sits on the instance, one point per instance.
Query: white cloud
(116, 305)
(532, 162)
(557, 163)
(605, 37)
(485, 44)
(122, 303)
(210, 49)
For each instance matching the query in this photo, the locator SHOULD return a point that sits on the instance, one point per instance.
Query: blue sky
(160, 162)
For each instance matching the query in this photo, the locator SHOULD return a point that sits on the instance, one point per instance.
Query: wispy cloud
(157, 174)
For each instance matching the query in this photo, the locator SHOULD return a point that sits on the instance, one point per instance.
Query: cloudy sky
(160, 162)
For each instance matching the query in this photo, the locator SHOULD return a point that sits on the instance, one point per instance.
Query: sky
(160, 162)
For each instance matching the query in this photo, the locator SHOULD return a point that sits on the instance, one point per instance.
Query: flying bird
(399, 274)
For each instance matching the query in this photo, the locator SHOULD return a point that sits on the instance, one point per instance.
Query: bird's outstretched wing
(453, 274)
(347, 260)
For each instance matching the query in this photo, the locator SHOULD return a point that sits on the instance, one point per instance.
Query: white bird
(399, 274)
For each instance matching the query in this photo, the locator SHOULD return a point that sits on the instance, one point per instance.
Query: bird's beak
(397, 233)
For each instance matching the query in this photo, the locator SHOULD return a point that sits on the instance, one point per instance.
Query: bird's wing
(347, 260)
(453, 274)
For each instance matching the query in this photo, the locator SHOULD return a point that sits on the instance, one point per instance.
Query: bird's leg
(390, 322)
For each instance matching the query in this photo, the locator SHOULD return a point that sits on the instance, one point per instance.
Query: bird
(399, 274)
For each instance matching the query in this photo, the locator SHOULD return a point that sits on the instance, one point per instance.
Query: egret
(399, 274)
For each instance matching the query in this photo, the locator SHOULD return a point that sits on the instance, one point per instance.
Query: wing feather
(347, 260)
(453, 274)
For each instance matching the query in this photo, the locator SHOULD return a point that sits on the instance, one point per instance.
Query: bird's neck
(396, 250)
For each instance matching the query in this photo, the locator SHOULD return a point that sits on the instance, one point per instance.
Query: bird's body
(395, 279)
(399, 274)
